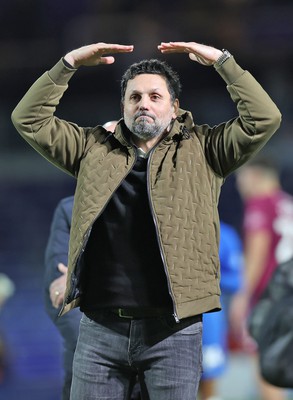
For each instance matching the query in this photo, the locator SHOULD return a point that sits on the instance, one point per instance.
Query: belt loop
(122, 315)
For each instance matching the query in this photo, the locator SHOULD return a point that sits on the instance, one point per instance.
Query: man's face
(148, 108)
(247, 179)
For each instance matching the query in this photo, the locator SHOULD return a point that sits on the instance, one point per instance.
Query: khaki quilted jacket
(185, 173)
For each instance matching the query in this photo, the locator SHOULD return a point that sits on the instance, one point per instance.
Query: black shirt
(123, 266)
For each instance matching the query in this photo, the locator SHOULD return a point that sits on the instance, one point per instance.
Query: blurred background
(34, 35)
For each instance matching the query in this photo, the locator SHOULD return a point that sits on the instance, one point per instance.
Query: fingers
(176, 47)
(205, 55)
(58, 286)
(57, 299)
(94, 54)
(184, 47)
(56, 296)
(106, 60)
(62, 268)
(106, 48)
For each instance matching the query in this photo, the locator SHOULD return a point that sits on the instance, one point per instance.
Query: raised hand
(205, 55)
(95, 54)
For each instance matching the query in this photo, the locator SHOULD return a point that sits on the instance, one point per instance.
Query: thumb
(193, 57)
(62, 268)
(200, 59)
(197, 58)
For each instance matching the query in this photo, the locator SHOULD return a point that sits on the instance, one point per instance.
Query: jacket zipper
(158, 237)
(88, 232)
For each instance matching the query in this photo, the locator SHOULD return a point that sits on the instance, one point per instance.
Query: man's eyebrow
(153, 90)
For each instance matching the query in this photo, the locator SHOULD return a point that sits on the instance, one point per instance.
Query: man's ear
(122, 108)
(175, 108)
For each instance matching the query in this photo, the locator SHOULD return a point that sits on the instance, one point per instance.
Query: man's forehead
(146, 82)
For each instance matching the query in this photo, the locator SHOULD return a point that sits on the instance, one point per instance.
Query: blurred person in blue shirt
(215, 331)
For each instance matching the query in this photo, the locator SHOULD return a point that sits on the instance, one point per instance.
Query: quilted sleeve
(230, 144)
(59, 141)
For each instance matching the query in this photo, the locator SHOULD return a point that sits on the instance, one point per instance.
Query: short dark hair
(155, 67)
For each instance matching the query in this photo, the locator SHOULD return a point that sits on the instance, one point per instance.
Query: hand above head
(205, 55)
(58, 286)
(95, 54)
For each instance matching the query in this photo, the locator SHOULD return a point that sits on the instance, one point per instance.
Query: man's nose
(144, 103)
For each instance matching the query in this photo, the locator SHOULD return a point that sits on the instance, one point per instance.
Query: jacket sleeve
(230, 144)
(58, 242)
(59, 141)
